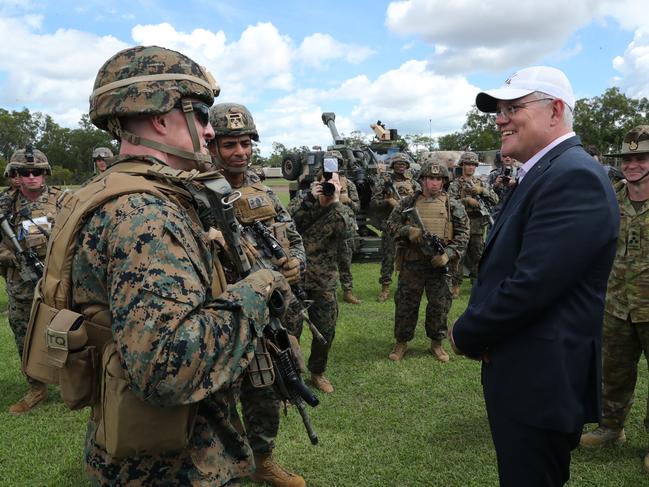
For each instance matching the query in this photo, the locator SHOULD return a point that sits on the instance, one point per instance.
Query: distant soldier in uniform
(349, 198)
(444, 217)
(231, 148)
(30, 210)
(626, 317)
(325, 225)
(477, 198)
(502, 179)
(100, 157)
(176, 338)
(384, 200)
(11, 174)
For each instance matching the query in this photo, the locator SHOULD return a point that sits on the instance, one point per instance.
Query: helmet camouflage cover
(636, 141)
(146, 81)
(433, 169)
(469, 158)
(102, 153)
(399, 157)
(232, 119)
(29, 158)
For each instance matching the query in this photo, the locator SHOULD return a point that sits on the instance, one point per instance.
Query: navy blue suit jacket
(537, 305)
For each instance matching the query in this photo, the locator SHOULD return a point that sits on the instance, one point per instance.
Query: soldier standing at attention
(22, 207)
(626, 316)
(477, 198)
(231, 149)
(325, 225)
(99, 157)
(384, 200)
(172, 339)
(440, 215)
(349, 198)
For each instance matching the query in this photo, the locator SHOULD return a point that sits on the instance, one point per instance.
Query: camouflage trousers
(20, 296)
(388, 250)
(414, 278)
(471, 258)
(623, 343)
(260, 409)
(345, 267)
(323, 312)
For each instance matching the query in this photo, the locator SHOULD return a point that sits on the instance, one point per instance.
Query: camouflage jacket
(460, 189)
(150, 263)
(399, 220)
(405, 186)
(627, 294)
(296, 246)
(17, 205)
(349, 194)
(322, 229)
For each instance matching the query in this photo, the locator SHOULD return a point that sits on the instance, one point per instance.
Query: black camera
(506, 175)
(328, 189)
(458, 171)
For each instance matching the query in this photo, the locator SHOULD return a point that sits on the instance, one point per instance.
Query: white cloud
(55, 70)
(317, 49)
(491, 35)
(634, 66)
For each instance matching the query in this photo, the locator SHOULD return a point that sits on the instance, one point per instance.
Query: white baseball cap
(545, 79)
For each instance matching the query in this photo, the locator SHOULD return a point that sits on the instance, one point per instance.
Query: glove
(266, 281)
(344, 199)
(412, 233)
(477, 189)
(472, 202)
(439, 260)
(392, 202)
(290, 269)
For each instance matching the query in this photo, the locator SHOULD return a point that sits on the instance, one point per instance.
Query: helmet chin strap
(197, 156)
(218, 161)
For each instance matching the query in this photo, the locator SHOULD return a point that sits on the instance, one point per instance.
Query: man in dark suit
(535, 313)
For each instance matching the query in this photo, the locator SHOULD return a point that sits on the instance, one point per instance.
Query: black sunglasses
(34, 172)
(201, 110)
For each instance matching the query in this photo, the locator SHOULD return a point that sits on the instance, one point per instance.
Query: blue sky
(416, 65)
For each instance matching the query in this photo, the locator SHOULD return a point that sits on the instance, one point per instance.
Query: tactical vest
(75, 350)
(404, 187)
(36, 238)
(436, 217)
(254, 204)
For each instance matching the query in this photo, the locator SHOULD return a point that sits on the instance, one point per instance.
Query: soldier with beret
(626, 316)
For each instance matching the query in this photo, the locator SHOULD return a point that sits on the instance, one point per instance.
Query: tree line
(601, 122)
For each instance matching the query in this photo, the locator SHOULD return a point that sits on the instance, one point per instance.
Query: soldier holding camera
(325, 225)
(503, 178)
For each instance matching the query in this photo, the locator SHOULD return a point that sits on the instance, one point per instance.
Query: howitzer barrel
(329, 119)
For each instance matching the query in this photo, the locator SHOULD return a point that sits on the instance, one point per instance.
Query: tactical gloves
(290, 269)
(266, 281)
(392, 202)
(439, 260)
(412, 233)
(472, 202)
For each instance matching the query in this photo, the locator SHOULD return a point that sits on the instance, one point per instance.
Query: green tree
(478, 133)
(17, 129)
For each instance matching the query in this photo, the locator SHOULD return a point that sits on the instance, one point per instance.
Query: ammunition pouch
(129, 426)
(260, 370)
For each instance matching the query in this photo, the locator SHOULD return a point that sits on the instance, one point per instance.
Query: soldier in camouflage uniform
(440, 215)
(383, 201)
(231, 149)
(349, 198)
(477, 198)
(100, 157)
(180, 337)
(32, 200)
(325, 225)
(626, 318)
(503, 180)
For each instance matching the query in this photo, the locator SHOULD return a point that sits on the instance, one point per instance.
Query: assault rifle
(389, 184)
(484, 210)
(30, 266)
(288, 381)
(432, 243)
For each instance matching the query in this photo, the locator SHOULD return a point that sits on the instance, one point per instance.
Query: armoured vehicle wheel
(291, 167)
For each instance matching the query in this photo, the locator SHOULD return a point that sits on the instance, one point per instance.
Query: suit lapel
(519, 192)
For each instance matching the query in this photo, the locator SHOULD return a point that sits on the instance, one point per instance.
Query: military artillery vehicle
(362, 165)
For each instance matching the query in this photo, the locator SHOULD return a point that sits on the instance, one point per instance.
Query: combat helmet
(433, 169)
(9, 168)
(102, 153)
(468, 158)
(151, 80)
(636, 141)
(399, 157)
(29, 158)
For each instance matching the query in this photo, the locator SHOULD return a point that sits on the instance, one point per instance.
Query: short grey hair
(568, 116)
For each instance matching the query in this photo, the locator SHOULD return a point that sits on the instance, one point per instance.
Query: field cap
(528, 80)
(636, 141)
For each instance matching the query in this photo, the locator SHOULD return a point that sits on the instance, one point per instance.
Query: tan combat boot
(602, 436)
(322, 383)
(398, 351)
(348, 297)
(438, 352)
(645, 463)
(456, 292)
(384, 294)
(268, 471)
(35, 396)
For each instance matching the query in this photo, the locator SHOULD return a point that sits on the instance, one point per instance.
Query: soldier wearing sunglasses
(30, 211)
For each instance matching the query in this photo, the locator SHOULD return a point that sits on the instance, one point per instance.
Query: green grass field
(413, 423)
